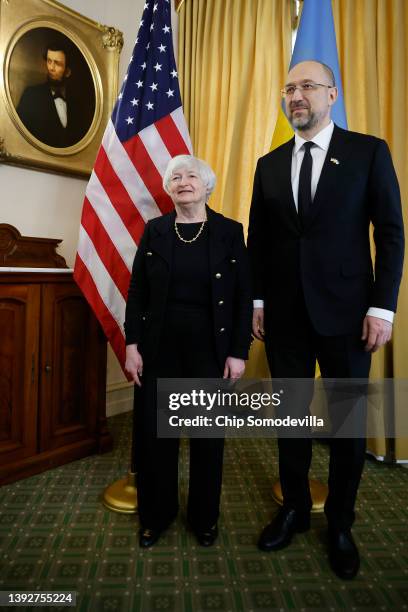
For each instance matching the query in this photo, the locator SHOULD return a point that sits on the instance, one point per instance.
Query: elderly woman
(188, 315)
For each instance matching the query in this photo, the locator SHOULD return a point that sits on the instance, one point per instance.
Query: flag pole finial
(295, 11)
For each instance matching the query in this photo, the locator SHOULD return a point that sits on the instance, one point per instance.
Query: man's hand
(234, 367)
(258, 323)
(134, 363)
(377, 332)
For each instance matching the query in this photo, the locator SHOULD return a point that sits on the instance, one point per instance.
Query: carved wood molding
(27, 251)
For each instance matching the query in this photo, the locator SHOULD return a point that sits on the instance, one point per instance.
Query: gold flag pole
(121, 495)
(177, 4)
(318, 490)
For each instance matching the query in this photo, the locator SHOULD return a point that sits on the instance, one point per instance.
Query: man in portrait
(52, 111)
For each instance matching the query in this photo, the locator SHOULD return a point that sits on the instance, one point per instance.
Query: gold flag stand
(121, 496)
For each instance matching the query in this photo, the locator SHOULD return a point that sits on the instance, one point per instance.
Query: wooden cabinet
(52, 373)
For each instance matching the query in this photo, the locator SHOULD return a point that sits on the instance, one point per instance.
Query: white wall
(49, 205)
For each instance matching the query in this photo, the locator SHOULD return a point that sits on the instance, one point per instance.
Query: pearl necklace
(192, 239)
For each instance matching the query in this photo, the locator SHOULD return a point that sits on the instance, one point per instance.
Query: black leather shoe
(343, 554)
(278, 534)
(148, 537)
(207, 537)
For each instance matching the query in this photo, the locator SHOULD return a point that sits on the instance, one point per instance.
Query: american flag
(146, 130)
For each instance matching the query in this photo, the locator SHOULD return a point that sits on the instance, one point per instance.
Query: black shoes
(278, 534)
(148, 537)
(343, 554)
(207, 537)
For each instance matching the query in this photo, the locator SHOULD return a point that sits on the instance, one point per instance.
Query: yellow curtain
(373, 53)
(233, 58)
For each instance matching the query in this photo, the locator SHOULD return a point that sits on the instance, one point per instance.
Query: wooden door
(68, 406)
(19, 341)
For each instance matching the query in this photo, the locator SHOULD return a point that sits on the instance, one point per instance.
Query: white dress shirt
(321, 141)
(61, 107)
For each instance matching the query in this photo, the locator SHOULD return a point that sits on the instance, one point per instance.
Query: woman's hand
(234, 368)
(134, 363)
(258, 324)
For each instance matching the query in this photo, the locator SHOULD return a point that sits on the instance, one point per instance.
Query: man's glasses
(304, 88)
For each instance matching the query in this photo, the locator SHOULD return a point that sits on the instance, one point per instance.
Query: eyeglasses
(304, 88)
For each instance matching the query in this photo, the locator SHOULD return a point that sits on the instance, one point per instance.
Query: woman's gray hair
(190, 162)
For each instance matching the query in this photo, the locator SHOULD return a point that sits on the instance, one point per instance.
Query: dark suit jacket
(328, 261)
(230, 293)
(37, 111)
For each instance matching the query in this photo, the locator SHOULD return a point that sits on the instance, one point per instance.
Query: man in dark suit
(316, 296)
(50, 110)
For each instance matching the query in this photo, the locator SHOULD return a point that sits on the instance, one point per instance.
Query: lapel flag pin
(334, 161)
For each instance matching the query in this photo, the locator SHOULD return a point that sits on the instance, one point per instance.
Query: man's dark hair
(59, 45)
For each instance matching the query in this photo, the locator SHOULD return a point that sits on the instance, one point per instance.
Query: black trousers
(293, 354)
(187, 350)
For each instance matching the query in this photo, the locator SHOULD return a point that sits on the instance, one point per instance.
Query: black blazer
(328, 262)
(231, 298)
(37, 111)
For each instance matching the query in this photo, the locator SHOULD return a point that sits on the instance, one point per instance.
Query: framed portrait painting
(59, 82)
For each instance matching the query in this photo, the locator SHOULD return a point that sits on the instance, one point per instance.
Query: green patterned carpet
(56, 535)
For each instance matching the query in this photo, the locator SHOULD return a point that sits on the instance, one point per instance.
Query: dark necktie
(305, 184)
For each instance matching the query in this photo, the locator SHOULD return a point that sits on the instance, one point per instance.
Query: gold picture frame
(28, 30)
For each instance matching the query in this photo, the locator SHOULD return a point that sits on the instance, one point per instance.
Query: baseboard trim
(119, 399)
